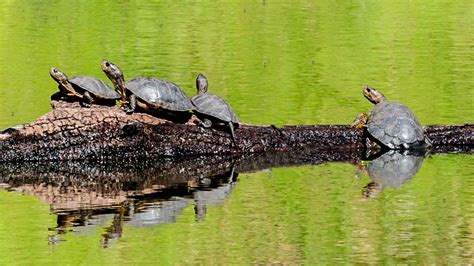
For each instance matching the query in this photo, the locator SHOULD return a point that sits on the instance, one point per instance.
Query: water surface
(302, 62)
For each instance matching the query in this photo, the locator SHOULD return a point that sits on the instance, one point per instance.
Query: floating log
(99, 133)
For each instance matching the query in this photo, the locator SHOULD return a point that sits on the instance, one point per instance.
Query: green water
(299, 62)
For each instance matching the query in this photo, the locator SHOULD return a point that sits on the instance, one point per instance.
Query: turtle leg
(231, 126)
(132, 104)
(372, 148)
(206, 123)
(87, 100)
(126, 108)
(428, 142)
(360, 120)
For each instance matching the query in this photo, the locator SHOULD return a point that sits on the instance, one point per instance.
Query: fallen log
(70, 132)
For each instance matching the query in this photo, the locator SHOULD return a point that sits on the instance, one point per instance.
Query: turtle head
(62, 80)
(201, 84)
(114, 73)
(58, 76)
(373, 95)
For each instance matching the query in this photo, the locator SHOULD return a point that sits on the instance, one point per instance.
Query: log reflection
(86, 195)
(111, 194)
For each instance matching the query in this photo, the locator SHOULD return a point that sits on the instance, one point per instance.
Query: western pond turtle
(391, 123)
(147, 93)
(212, 107)
(88, 89)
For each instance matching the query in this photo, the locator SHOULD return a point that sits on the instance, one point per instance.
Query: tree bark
(70, 132)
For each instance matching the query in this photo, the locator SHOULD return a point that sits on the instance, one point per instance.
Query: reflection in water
(88, 195)
(391, 169)
(141, 209)
(212, 194)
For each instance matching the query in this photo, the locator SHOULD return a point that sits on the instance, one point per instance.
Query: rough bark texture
(70, 132)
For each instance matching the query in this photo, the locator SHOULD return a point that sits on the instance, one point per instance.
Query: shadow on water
(87, 195)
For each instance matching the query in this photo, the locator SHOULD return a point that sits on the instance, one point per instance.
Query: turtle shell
(214, 106)
(95, 86)
(394, 125)
(159, 94)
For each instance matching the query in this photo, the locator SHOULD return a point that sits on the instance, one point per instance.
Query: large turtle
(392, 124)
(147, 93)
(211, 107)
(87, 89)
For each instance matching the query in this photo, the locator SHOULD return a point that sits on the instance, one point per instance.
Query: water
(275, 63)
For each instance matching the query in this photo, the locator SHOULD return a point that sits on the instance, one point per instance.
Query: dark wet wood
(70, 132)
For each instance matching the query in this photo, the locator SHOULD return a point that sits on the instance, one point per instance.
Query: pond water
(301, 62)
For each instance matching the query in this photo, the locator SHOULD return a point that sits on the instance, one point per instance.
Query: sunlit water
(275, 63)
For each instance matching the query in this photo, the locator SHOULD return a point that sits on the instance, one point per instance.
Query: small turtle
(147, 93)
(88, 89)
(212, 107)
(391, 123)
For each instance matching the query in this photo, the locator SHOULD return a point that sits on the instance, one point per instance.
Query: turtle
(87, 89)
(392, 124)
(210, 107)
(147, 93)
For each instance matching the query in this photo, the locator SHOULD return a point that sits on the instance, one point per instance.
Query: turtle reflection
(210, 194)
(391, 169)
(146, 210)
